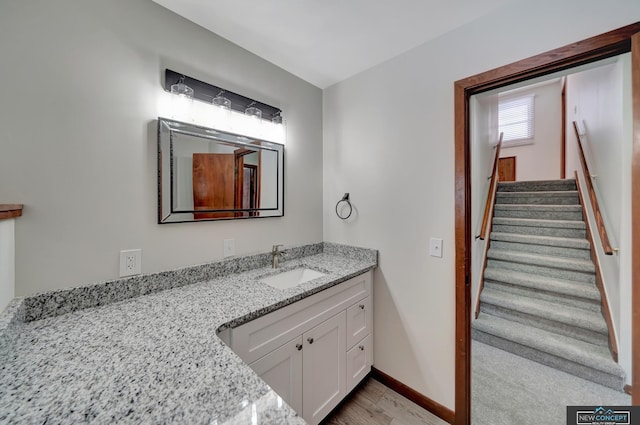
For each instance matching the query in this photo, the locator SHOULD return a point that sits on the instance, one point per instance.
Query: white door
(324, 358)
(282, 370)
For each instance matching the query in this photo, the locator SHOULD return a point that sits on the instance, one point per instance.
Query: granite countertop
(154, 358)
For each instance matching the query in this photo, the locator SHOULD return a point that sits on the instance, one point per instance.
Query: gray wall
(393, 150)
(484, 137)
(81, 90)
(600, 100)
(541, 160)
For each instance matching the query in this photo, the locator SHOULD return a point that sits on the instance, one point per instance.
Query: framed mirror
(206, 174)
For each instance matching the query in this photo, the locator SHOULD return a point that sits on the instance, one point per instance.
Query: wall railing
(602, 230)
(493, 185)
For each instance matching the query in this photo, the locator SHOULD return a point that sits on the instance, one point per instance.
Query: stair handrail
(492, 190)
(602, 230)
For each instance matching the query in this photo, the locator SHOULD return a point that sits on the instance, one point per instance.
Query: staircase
(540, 298)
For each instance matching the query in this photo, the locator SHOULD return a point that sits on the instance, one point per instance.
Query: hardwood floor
(374, 404)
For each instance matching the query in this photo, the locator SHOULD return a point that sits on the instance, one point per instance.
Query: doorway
(597, 48)
(507, 169)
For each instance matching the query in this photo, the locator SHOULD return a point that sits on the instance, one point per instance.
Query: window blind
(515, 118)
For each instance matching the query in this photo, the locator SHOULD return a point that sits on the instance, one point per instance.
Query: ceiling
(327, 41)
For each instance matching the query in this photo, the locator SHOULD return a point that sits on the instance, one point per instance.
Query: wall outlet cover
(130, 262)
(435, 247)
(229, 248)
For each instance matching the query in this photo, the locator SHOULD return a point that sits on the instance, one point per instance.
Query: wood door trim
(635, 212)
(586, 51)
(239, 155)
(421, 400)
(563, 133)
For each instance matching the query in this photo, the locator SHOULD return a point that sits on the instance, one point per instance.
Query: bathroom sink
(291, 278)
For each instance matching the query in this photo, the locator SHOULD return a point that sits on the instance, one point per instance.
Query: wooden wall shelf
(10, 211)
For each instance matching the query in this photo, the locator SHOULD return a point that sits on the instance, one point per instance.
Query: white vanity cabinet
(323, 368)
(314, 351)
(281, 370)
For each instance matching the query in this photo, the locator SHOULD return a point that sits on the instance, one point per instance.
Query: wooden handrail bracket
(602, 231)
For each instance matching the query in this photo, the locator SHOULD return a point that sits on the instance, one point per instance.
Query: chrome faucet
(275, 255)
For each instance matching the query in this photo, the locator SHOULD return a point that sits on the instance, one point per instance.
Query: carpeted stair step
(560, 291)
(538, 185)
(576, 357)
(574, 322)
(578, 277)
(546, 245)
(544, 212)
(527, 226)
(569, 197)
(564, 268)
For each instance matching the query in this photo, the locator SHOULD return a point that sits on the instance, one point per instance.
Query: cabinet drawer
(359, 362)
(254, 339)
(359, 321)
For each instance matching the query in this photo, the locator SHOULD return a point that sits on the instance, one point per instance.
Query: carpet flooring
(508, 389)
(540, 299)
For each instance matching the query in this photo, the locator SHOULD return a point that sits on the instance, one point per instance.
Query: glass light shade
(181, 89)
(221, 113)
(182, 101)
(221, 102)
(253, 126)
(253, 112)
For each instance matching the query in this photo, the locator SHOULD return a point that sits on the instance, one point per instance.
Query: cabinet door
(359, 321)
(324, 358)
(282, 370)
(359, 362)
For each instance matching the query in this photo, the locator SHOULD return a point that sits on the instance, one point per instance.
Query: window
(515, 118)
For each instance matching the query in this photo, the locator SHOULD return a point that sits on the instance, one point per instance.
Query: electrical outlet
(435, 247)
(130, 262)
(229, 248)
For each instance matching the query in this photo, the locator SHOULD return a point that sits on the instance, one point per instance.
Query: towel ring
(345, 198)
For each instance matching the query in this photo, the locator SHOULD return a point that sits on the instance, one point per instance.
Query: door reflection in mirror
(205, 174)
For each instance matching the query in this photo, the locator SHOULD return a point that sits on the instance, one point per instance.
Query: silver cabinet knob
(310, 340)
(299, 347)
(361, 348)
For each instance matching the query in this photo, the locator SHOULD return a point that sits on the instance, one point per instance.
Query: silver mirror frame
(168, 212)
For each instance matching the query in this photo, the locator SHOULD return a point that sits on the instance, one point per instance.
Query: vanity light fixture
(222, 109)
